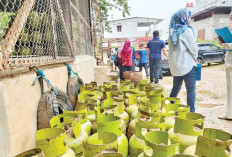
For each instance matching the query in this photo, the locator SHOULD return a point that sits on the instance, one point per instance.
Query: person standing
(183, 53)
(143, 59)
(112, 61)
(120, 63)
(155, 48)
(126, 56)
(228, 64)
(133, 58)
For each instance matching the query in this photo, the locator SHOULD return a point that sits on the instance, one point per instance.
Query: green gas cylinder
(114, 94)
(51, 141)
(213, 143)
(31, 153)
(110, 123)
(173, 111)
(141, 85)
(115, 107)
(119, 109)
(89, 100)
(71, 121)
(181, 155)
(153, 100)
(136, 142)
(109, 155)
(153, 89)
(134, 100)
(86, 125)
(108, 142)
(169, 106)
(126, 86)
(187, 130)
(158, 145)
(145, 112)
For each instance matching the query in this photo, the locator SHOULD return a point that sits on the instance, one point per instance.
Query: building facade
(131, 28)
(209, 15)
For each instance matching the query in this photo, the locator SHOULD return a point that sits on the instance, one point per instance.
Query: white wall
(210, 24)
(204, 4)
(129, 29)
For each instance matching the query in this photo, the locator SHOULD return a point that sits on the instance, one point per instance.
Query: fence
(38, 32)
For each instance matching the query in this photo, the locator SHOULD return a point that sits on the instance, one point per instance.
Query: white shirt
(119, 51)
(182, 58)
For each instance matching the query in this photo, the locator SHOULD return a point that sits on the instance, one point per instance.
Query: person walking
(143, 59)
(155, 49)
(183, 52)
(126, 56)
(228, 65)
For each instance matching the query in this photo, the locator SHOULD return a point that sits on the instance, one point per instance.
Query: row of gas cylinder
(123, 120)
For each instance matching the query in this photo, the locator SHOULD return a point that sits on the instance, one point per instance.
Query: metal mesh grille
(35, 32)
(81, 27)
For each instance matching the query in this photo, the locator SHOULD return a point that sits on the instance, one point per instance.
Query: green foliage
(107, 5)
(208, 41)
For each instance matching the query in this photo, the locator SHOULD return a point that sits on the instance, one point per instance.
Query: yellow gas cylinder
(114, 94)
(141, 85)
(85, 123)
(181, 155)
(145, 112)
(126, 95)
(153, 99)
(93, 83)
(88, 86)
(186, 131)
(134, 100)
(136, 142)
(109, 154)
(88, 99)
(119, 109)
(158, 145)
(126, 86)
(173, 111)
(70, 121)
(169, 101)
(171, 108)
(108, 142)
(31, 153)
(213, 143)
(115, 108)
(110, 123)
(51, 141)
(151, 89)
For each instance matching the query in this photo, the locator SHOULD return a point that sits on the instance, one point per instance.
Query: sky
(162, 9)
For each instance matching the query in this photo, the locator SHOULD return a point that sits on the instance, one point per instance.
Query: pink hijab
(126, 54)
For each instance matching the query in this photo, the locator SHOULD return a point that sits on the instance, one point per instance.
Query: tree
(100, 15)
(107, 5)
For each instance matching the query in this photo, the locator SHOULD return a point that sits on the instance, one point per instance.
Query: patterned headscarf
(179, 24)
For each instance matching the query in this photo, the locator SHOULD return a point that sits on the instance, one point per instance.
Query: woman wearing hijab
(126, 55)
(183, 52)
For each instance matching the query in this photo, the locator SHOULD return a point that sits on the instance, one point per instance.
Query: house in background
(209, 15)
(136, 29)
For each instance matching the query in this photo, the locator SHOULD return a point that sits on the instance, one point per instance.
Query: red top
(126, 54)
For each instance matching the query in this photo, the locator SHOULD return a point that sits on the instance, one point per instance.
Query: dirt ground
(210, 96)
